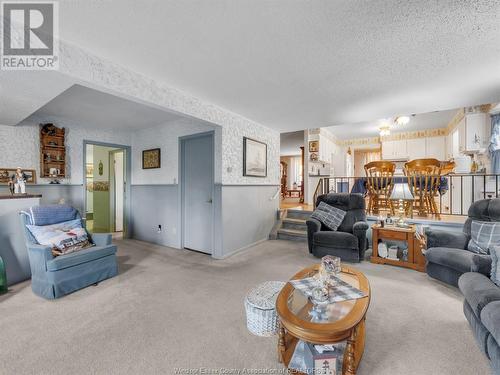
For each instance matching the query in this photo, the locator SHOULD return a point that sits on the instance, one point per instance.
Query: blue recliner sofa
(482, 310)
(53, 277)
(447, 255)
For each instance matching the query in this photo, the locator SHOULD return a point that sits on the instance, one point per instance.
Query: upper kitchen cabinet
(394, 150)
(477, 131)
(457, 139)
(472, 134)
(435, 148)
(322, 149)
(416, 148)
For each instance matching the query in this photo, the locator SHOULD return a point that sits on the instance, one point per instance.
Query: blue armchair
(53, 277)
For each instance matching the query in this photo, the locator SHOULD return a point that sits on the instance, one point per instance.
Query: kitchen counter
(20, 196)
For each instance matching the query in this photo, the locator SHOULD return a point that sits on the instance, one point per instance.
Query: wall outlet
(159, 229)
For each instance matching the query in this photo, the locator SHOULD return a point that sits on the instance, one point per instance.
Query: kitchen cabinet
(457, 138)
(435, 148)
(416, 148)
(449, 147)
(461, 136)
(325, 149)
(472, 134)
(476, 131)
(394, 150)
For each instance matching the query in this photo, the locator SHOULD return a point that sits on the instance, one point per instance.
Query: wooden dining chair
(424, 177)
(379, 181)
(446, 167)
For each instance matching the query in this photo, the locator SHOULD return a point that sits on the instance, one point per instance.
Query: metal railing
(454, 196)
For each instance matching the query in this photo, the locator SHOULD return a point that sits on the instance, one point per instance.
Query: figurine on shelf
(17, 183)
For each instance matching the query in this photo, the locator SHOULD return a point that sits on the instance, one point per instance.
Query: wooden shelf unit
(416, 259)
(52, 151)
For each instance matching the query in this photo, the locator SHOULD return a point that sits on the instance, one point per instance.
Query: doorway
(106, 171)
(197, 192)
(362, 157)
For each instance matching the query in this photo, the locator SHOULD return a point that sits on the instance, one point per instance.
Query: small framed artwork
(7, 173)
(151, 158)
(254, 158)
(313, 146)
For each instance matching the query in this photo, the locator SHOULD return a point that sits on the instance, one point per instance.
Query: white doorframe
(128, 173)
(117, 190)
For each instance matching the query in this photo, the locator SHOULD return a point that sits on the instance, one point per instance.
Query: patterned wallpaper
(92, 71)
(166, 137)
(20, 148)
(232, 155)
(23, 149)
(23, 146)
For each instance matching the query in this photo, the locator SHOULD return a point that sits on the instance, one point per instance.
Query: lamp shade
(401, 191)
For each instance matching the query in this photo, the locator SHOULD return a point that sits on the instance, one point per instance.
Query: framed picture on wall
(313, 146)
(151, 158)
(254, 158)
(7, 173)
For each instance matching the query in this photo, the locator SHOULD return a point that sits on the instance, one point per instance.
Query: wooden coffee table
(346, 320)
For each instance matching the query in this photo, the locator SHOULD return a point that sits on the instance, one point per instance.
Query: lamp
(401, 192)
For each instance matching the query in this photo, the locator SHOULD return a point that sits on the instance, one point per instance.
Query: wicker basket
(260, 306)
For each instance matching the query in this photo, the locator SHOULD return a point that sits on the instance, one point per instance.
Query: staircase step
(290, 223)
(292, 234)
(295, 221)
(298, 214)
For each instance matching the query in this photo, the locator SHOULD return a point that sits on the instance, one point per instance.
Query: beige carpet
(178, 309)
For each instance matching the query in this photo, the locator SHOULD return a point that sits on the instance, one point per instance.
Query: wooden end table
(416, 259)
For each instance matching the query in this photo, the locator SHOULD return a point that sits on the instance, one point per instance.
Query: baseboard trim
(241, 249)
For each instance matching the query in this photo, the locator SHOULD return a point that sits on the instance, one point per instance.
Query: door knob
(210, 200)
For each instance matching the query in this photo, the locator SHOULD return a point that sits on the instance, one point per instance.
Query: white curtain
(296, 171)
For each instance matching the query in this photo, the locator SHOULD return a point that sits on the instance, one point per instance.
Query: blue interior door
(197, 192)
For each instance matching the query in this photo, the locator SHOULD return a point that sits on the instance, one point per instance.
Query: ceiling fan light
(385, 131)
(402, 120)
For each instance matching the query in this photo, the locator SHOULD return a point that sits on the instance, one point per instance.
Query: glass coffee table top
(303, 309)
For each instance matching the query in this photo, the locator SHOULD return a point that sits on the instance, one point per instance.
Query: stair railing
(323, 187)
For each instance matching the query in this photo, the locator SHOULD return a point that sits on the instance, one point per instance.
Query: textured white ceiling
(98, 110)
(301, 64)
(22, 92)
(432, 120)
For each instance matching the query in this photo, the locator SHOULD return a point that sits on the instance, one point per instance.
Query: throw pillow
(332, 217)
(495, 270)
(484, 234)
(64, 238)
